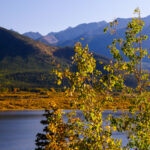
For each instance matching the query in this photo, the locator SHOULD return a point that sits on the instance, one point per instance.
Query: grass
(32, 100)
(24, 100)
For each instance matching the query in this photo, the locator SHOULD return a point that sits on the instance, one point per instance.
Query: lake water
(18, 129)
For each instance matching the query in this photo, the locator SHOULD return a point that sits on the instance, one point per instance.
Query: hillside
(25, 62)
(28, 63)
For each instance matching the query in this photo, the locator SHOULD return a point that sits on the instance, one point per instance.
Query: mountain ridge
(70, 32)
(93, 35)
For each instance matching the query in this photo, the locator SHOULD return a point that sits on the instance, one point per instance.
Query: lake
(18, 129)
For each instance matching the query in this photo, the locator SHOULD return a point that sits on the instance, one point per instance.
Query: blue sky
(45, 16)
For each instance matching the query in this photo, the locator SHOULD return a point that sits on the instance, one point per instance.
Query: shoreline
(33, 101)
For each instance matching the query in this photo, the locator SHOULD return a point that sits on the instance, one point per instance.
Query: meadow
(27, 100)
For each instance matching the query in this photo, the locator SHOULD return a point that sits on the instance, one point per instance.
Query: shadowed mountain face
(28, 63)
(19, 53)
(25, 62)
(13, 44)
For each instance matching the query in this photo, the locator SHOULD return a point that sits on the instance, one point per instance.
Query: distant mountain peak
(33, 35)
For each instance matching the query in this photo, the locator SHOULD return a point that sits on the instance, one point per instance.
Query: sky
(46, 16)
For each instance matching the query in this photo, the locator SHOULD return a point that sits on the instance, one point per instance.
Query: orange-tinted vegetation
(24, 100)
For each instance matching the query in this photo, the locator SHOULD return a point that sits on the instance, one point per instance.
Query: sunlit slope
(28, 63)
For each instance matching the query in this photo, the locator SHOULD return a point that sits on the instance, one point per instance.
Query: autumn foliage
(87, 84)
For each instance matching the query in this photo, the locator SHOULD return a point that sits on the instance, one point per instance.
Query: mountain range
(28, 60)
(93, 35)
